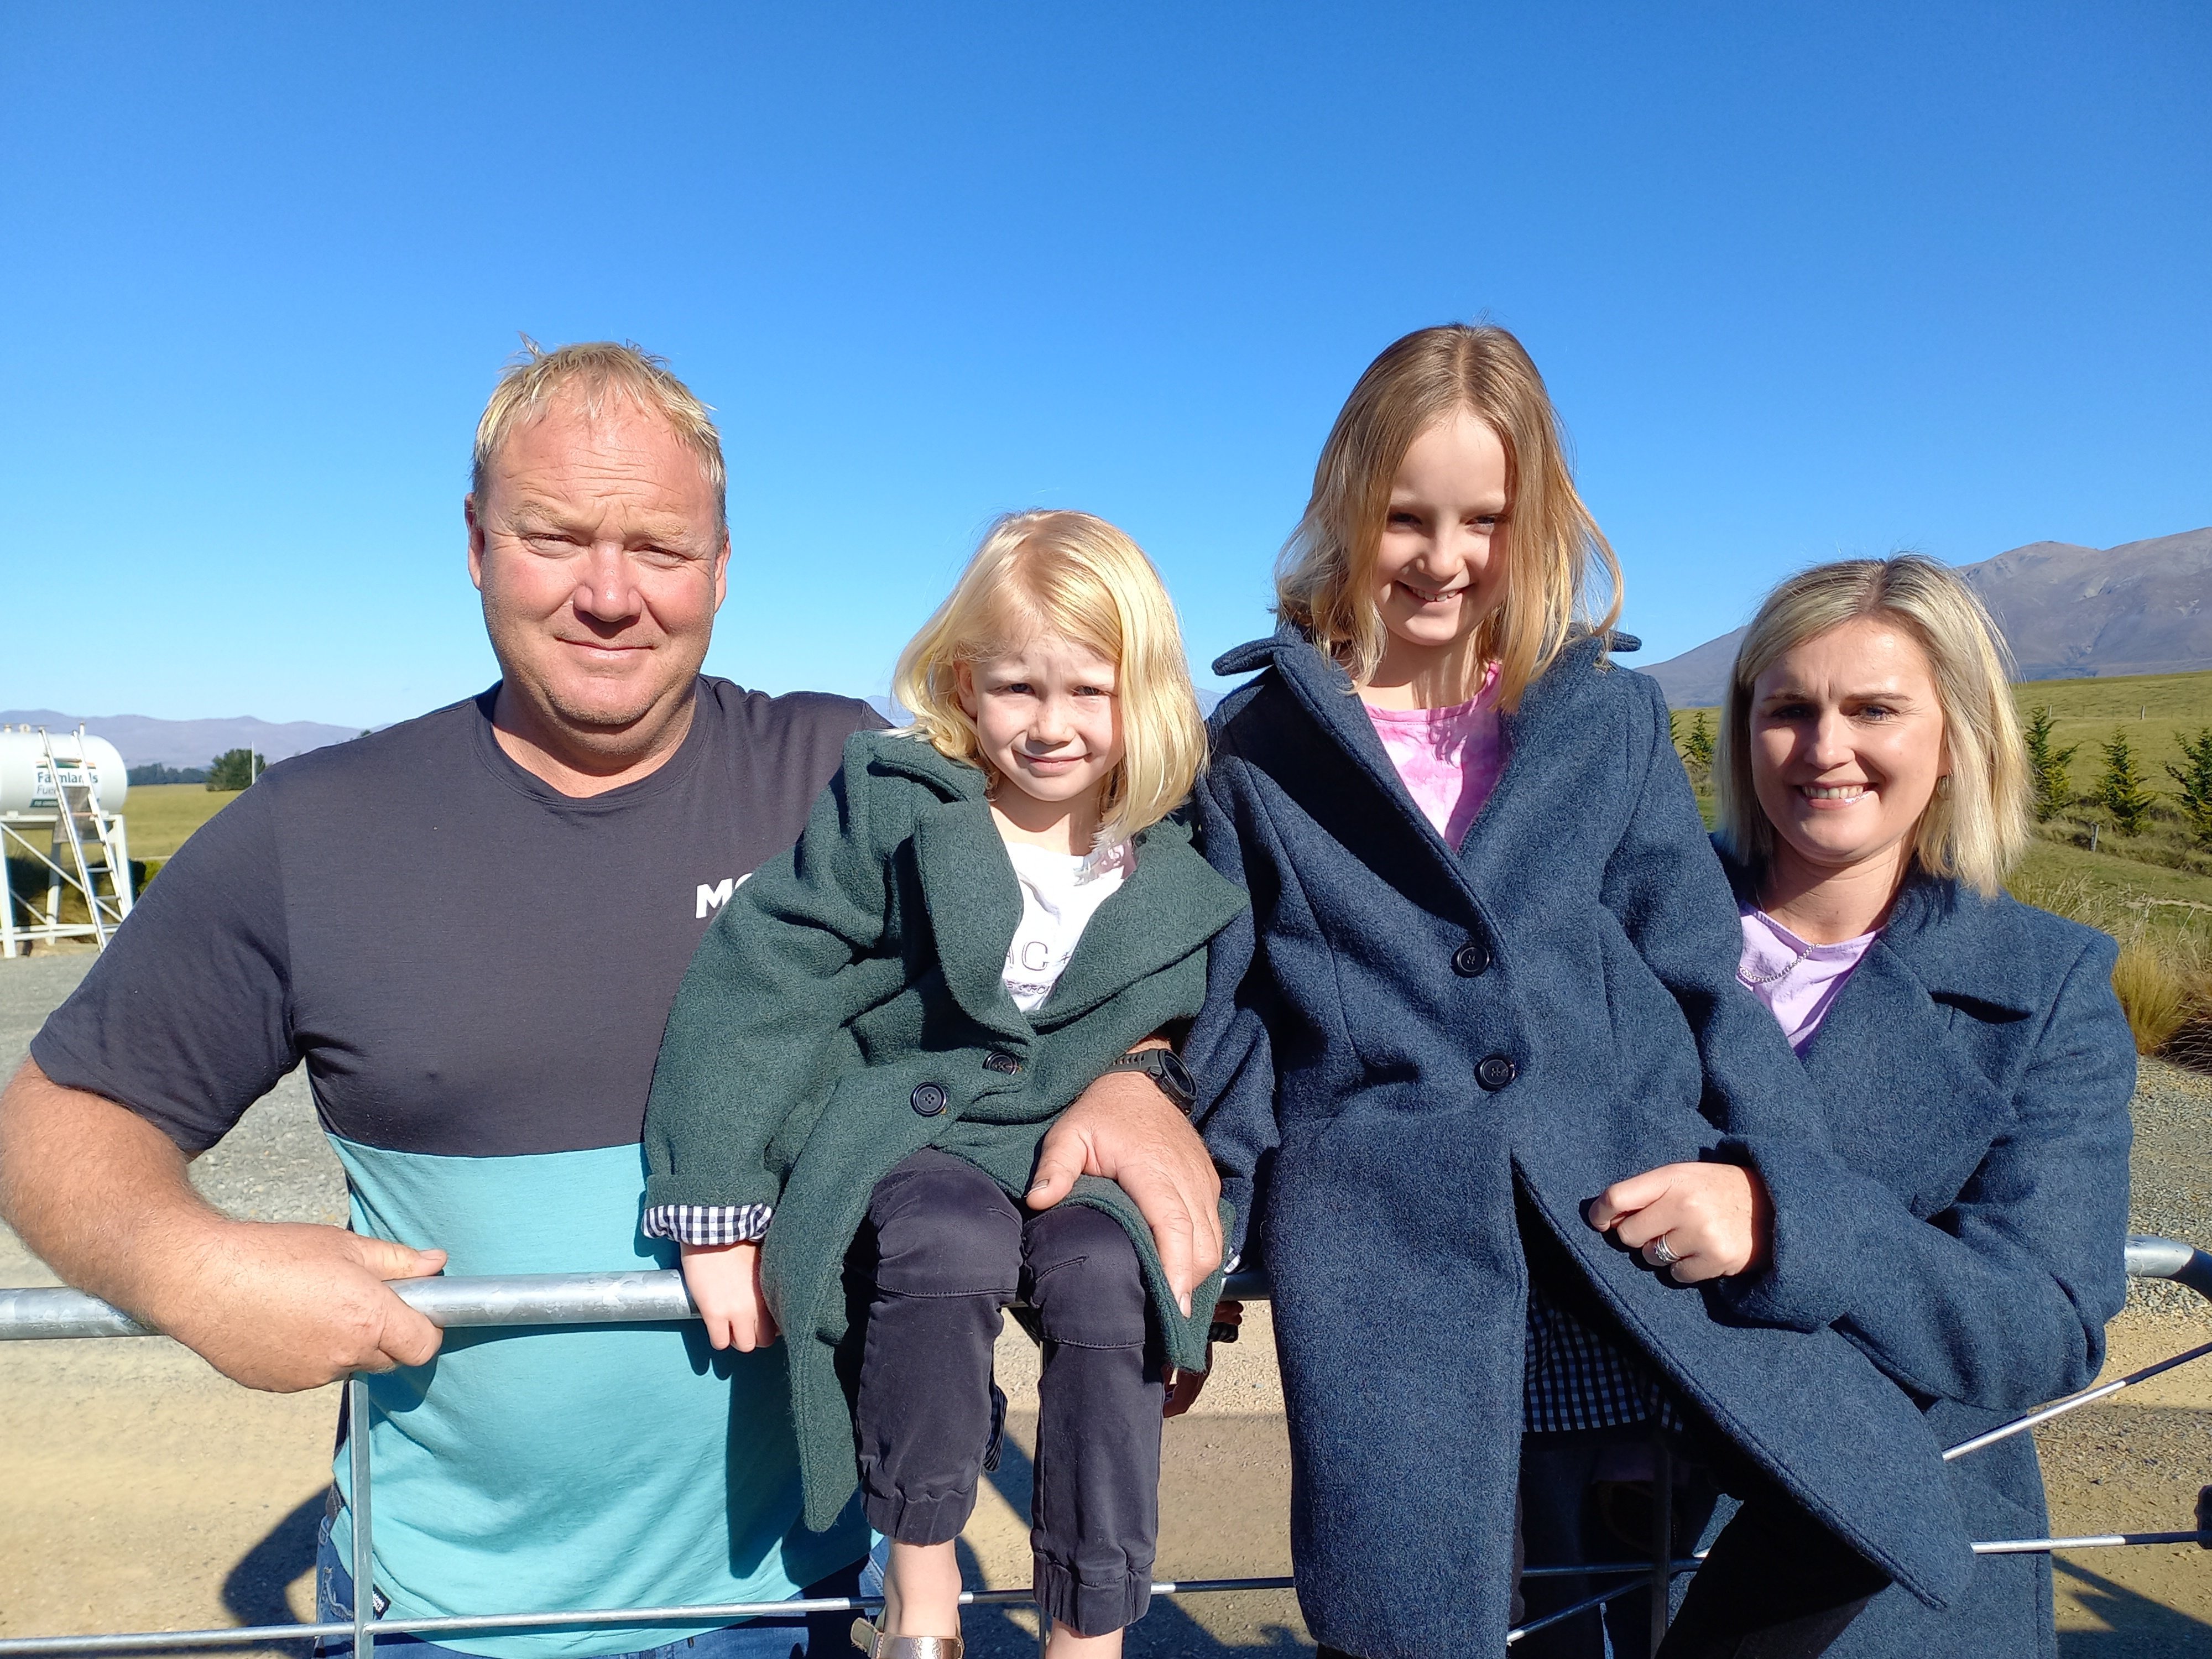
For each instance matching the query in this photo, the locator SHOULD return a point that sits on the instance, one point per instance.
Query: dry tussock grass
(2164, 975)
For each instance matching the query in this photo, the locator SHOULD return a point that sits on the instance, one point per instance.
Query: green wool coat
(846, 1010)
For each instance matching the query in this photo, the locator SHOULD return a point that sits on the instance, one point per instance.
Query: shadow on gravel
(253, 1590)
(1166, 1632)
(2138, 1627)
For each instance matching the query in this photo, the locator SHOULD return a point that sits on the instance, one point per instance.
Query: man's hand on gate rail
(725, 1283)
(102, 1196)
(284, 1306)
(1123, 1129)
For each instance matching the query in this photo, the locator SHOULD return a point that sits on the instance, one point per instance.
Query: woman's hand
(724, 1280)
(1184, 1386)
(1717, 1218)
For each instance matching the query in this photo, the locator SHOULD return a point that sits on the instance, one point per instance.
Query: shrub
(2121, 790)
(2047, 768)
(235, 768)
(1698, 745)
(2195, 797)
(2155, 992)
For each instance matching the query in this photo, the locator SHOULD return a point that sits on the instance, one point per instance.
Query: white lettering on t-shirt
(1060, 892)
(716, 896)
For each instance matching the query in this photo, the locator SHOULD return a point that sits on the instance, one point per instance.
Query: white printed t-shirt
(1060, 892)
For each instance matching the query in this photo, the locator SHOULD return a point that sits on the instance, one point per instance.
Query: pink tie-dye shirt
(1450, 758)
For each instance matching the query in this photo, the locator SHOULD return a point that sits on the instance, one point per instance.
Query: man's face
(594, 544)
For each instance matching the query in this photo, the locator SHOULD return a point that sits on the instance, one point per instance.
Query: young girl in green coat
(986, 912)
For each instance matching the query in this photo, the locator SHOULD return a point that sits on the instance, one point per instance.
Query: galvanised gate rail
(628, 1299)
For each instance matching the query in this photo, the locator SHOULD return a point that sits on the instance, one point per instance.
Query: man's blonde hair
(1079, 578)
(1324, 580)
(1975, 828)
(593, 376)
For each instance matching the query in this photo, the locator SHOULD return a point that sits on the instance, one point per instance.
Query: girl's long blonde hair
(1975, 828)
(1324, 580)
(1078, 577)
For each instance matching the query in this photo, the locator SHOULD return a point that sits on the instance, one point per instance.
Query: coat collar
(1958, 946)
(1322, 686)
(1172, 904)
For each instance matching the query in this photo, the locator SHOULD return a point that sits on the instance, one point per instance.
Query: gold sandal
(881, 1646)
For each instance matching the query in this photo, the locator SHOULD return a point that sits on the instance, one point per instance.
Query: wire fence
(555, 1300)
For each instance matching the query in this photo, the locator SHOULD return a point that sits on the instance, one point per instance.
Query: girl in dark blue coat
(1971, 1061)
(1453, 1020)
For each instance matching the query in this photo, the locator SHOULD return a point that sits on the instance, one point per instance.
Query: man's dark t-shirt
(476, 970)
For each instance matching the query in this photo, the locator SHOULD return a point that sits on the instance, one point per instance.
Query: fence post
(364, 1558)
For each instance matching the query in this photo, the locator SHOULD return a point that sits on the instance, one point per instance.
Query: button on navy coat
(1975, 1072)
(1400, 1035)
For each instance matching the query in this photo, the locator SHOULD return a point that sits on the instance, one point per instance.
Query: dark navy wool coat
(1975, 1072)
(1400, 1035)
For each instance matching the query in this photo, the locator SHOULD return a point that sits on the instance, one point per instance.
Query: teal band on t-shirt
(532, 1470)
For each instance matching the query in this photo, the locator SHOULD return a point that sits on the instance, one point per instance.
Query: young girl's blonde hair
(1975, 828)
(1078, 577)
(1324, 580)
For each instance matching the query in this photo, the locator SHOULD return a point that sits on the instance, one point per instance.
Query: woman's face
(1440, 568)
(1846, 745)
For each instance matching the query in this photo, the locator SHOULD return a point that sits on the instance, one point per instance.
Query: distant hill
(2068, 612)
(144, 740)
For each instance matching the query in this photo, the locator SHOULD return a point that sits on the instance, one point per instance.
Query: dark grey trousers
(942, 1251)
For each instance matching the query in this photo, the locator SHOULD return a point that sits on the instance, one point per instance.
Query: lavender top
(1797, 982)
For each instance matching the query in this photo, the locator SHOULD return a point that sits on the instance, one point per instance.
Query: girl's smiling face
(1847, 748)
(1049, 723)
(1440, 568)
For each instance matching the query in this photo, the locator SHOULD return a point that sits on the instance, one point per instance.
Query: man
(470, 927)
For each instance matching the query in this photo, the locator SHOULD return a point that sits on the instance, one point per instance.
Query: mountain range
(2069, 612)
(144, 740)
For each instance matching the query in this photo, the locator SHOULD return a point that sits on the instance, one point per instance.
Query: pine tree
(2047, 768)
(1698, 746)
(235, 768)
(2120, 791)
(2196, 781)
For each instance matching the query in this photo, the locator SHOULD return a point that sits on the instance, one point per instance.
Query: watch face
(1181, 1086)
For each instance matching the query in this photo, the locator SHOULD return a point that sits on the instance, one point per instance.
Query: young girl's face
(1050, 724)
(1440, 569)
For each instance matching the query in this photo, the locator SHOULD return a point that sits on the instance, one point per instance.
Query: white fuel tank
(26, 785)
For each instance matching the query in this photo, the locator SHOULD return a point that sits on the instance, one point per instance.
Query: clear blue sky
(1805, 280)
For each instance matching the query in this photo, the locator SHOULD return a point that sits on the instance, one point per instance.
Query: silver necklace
(1788, 968)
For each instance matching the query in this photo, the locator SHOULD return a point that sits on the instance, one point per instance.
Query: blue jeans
(823, 1636)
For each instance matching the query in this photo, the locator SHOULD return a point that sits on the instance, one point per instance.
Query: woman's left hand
(1695, 1221)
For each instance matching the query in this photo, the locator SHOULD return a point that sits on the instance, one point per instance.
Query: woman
(1974, 1064)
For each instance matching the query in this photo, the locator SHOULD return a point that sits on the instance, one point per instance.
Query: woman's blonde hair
(1975, 828)
(1077, 577)
(1323, 581)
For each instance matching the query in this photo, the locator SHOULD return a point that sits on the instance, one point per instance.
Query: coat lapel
(1909, 1102)
(975, 906)
(1324, 690)
(966, 884)
(1172, 904)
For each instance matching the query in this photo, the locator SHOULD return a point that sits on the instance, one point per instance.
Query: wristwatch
(1165, 1069)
